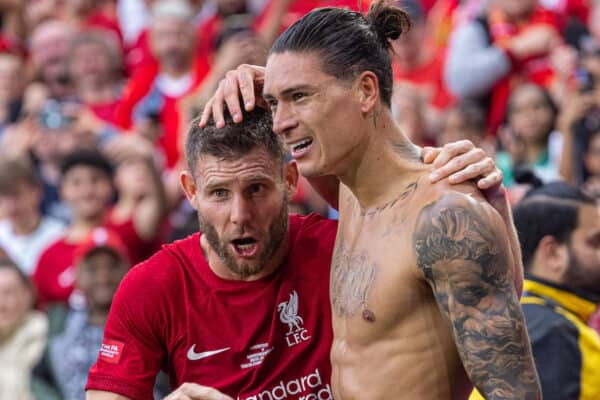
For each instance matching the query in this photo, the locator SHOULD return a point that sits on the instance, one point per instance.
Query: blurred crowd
(96, 96)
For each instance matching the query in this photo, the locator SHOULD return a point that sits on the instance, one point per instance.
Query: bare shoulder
(457, 232)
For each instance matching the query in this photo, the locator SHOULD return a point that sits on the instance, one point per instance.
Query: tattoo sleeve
(467, 263)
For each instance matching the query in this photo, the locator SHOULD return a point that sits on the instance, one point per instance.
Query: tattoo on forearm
(460, 255)
(352, 277)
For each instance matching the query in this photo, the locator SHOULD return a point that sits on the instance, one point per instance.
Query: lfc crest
(288, 314)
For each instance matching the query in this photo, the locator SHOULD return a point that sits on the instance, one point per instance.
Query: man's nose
(283, 119)
(241, 210)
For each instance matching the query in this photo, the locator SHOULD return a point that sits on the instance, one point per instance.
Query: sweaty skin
(401, 272)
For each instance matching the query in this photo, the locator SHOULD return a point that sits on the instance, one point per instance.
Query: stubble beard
(272, 242)
(578, 276)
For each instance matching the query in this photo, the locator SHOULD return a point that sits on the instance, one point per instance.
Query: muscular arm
(463, 253)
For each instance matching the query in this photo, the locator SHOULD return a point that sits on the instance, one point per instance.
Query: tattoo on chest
(352, 277)
(403, 196)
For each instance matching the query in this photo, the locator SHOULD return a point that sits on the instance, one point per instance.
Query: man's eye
(219, 193)
(298, 96)
(255, 188)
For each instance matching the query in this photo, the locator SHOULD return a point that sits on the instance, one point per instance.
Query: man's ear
(367, 88)
(188, 184)
(291, 175)
(551, 259)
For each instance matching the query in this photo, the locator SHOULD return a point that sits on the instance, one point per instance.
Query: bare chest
(374, 279)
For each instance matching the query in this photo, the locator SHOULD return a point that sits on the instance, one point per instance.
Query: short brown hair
(235, 139)
(14, 171)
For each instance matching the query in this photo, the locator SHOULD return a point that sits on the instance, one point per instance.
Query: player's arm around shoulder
(463, 252)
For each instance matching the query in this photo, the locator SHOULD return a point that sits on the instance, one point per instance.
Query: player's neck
(388, 160)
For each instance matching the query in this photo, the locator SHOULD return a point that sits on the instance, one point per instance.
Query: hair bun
(387, 21)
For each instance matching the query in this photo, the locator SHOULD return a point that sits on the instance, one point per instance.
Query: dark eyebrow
(288, 91)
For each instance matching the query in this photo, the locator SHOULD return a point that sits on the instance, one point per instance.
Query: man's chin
(246, 268)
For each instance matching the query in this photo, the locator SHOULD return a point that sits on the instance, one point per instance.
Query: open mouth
(301, 147)
(245, 247)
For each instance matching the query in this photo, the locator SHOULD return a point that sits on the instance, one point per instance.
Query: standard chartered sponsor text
(308, 387)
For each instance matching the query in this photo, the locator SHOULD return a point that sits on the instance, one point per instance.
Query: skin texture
(398, 301)
(351, 290)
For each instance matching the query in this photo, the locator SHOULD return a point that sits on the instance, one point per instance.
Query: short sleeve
(132, 351)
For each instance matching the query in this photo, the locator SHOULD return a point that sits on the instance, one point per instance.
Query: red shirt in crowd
(536, 69)
(54, 275)
(268, 338)
(429, 79)
(142, 92)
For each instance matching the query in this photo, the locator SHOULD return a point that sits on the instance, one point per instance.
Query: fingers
(231, 95)
(463, 167)
(246, 80)
(452, 150)
(237, 84)
(192, 391)
(428, 154)
(493, 180)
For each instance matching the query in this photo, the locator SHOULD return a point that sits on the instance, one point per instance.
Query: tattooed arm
(462, 250)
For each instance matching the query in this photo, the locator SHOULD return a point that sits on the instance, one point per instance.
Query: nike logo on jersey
(193, 356)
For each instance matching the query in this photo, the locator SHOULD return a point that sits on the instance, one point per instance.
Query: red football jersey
(54, 275)
(268, 338)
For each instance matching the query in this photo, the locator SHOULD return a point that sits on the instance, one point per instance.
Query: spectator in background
(152, 94)
(529, 139)
(466, 120)
(509, 44)
(22, 333)
(96, 69)
(95, 15)
(12, 25)
(87, 187)
(24, 232)
(101, 261)
(12, 84)
(418, 67)
(591, 163)
(559, 230)
(49, 46)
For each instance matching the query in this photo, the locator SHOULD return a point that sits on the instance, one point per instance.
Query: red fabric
(107, 111)
(536, 69)
(139, 86)
(206, 35)
(429, 79)
(100, 238)
(138, 55)
(101, 20)
(428, 5)
(54, 275)
(299, 8)
(440, 22)
(173, 307)
(579, 9)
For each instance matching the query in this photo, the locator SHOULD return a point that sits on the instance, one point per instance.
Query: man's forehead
(257, 164)
(292, 69)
